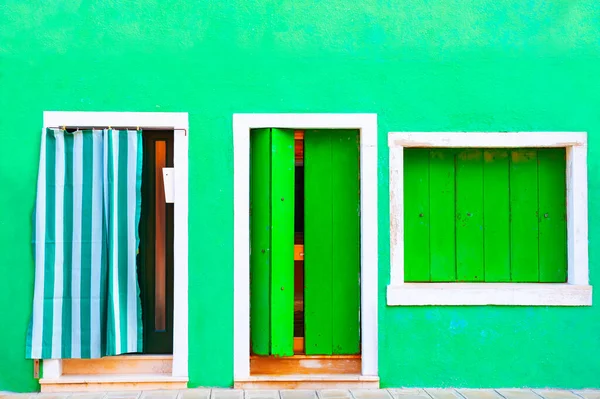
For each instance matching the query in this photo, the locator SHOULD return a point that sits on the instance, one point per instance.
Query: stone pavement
(415, 393)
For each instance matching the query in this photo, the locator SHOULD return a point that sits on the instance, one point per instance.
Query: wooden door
(272, 242)
(155, 259)
(331, 242)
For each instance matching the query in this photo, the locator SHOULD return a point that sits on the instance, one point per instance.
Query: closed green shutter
(272, 242)
(493, 215)
(331, 242)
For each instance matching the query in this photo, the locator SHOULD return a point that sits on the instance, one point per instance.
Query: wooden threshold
(110, 373)
(305, 365)
(111, 382)
(124, 364)
(323, 381)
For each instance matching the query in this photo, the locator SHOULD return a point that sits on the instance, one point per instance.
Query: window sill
(481, 294)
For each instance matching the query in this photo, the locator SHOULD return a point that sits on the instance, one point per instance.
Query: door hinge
(36, 368)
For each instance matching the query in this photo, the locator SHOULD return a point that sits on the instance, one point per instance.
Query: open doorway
(305, 251)
(143, 371)
(155, 259)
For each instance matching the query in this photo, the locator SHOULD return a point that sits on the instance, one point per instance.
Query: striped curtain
(86, 295)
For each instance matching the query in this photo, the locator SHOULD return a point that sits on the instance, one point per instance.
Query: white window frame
(576, 292)
(166, 120)
(367, 124)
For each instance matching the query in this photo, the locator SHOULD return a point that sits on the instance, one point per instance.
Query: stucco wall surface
(421, 65)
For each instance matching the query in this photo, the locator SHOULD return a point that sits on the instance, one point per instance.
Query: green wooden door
(272, 242)
(155, 271)
(331, 242)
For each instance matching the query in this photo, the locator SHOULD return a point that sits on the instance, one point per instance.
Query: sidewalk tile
(194, 393)
(261, 394)
(334, 394)
(227, 394)
(439, 393)
(87, 395)
(588, 393)
(479, 394)
(160, 394)
(298, 394)
(408, 393)
(556, 394)
(370, 394)
(518, 393)
(123, 395)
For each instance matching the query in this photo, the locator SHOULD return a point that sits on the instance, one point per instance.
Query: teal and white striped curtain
(86, 296)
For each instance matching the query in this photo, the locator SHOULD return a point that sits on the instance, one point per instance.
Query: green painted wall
(420, 65)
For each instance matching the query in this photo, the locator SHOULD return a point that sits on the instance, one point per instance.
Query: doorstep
(111, 382)
(303, 381)
(112, 373)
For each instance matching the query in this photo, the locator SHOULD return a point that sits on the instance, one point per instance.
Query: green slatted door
(331, 242)
(272, 241)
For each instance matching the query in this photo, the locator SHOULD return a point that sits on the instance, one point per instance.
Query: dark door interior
(155, 267)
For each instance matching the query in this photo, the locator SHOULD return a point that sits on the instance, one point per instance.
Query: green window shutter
(496, 223)
(416, 215)
(331, 242)
(442, 252)
(469, 215)
(493, 215)
(552, 215)
(272, 242)
(523, 215)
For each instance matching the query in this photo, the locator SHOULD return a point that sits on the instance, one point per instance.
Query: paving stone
(441, 393)
(198, 393)
(518, 393)
(334, 394)
(298, 394)
(370, 394)
(588, 393)
(479, 394)
(555, 394)
(408, 393)
(261, 394)
(123, 395)
(55, 395)
(227, 394)
(87, 395)
(165, 394)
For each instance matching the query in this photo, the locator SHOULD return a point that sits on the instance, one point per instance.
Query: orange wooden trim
(298, 345)
(298, 252)
(299, 145)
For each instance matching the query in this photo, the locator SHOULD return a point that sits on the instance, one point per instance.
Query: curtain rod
(65, 127)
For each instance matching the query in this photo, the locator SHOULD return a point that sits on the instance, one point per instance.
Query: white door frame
(167, 120)
(367, 124)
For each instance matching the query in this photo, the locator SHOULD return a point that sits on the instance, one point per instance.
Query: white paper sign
(168, 180)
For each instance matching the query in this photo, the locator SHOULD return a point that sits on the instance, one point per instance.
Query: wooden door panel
(332, 242)
(272, 242)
